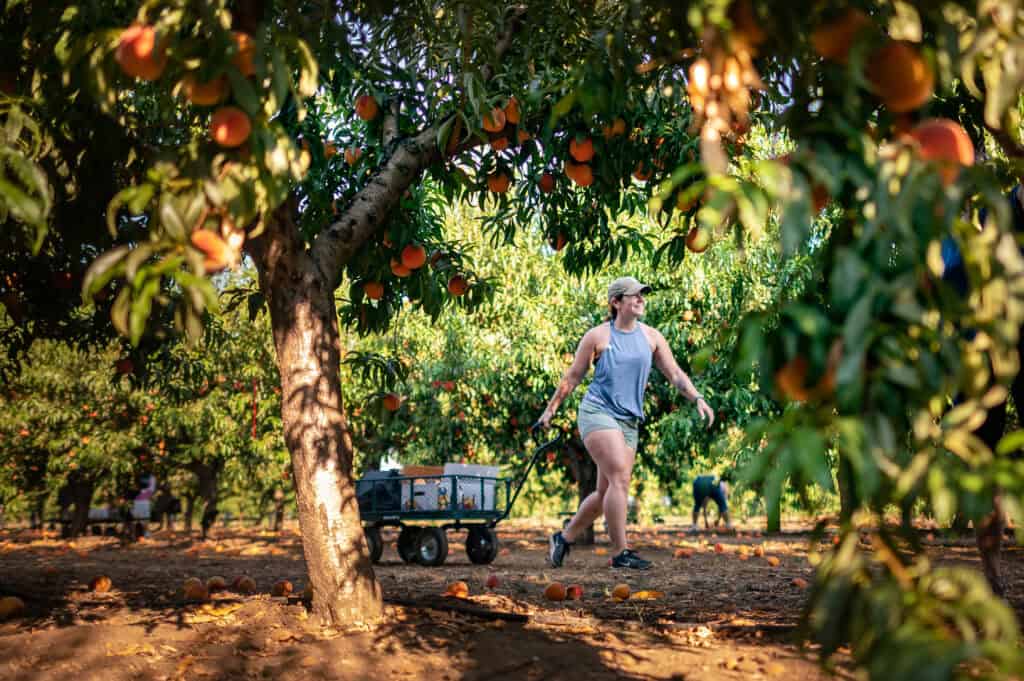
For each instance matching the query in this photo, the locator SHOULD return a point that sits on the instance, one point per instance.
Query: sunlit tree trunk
(307, 340)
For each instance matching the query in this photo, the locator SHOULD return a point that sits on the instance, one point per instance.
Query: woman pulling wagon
(621, 351)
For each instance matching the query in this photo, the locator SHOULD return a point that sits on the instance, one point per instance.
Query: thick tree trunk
(306, 336)
(278, 516)
(190, 509)
(847, 493)
(161, 510)
(80, 492)
(209, 489)
(278, 511)
(36, 520)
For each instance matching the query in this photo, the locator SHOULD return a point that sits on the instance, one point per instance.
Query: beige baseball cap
(626, 286)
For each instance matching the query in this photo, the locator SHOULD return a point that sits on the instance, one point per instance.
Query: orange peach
(555, 591)
(621, 592)
(100, 584)
(230, 126)
(457, 590)
(366, 107)
(204, 94)
(138, 53)
(457, 285)
(414, 256)
(245, 49)
(946, 143)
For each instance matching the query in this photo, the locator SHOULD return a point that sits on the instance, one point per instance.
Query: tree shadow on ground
(718, 617)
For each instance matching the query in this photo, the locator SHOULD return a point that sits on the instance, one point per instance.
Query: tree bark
(279, 500)
(307, 339)
(36, 519)
(190, 508)
(80, 490)
(278, 515)
(161, 510)
(208, 475)
(847, 493)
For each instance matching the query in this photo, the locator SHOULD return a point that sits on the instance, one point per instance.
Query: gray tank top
(620, 375)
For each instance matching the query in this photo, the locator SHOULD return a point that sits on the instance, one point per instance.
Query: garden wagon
(422, 538)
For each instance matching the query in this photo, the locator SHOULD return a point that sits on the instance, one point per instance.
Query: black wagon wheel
(482, 545)
(432, 547)
(408, 544)
(375, 543)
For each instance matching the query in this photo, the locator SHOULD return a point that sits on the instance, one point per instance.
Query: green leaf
(102, 270)
(28, 202)
(244, 93)
(444, 133)
(308, 69)
(562, 107)
(140, 309)
(201, 286)
(138, 256)
(1010, 443)
(848, 278)
(136, 198)
(280, 83)
(120, 310)
(811, 452)
(171, 220)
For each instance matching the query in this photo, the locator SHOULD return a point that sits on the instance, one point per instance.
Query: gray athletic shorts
(590, 417)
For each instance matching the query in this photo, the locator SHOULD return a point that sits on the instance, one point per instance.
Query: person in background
(706, 488)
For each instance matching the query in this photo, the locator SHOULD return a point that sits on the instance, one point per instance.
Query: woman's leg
(589, 511)
(615, 463)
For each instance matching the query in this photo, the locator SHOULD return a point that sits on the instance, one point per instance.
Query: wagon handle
(533, 460)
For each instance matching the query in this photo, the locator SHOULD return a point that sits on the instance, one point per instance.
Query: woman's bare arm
(573, 376)
(667, 365)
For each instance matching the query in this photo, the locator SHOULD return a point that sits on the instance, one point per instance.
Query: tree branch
(504, 40)
(390, 124)
(371, 206)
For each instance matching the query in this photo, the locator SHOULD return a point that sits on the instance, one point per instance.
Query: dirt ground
(711, 615)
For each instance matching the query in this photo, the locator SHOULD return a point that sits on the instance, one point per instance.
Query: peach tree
(325, 143)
